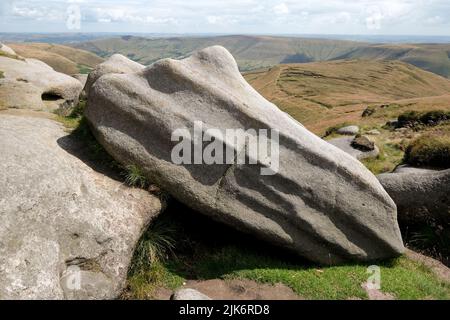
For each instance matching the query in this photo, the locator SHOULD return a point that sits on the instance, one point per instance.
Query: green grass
(147, 270)
(83, 69)
(205, 250)
(2, 74)
(391, 155)
(135, 177)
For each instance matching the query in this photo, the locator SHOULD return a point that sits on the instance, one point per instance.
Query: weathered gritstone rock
(66, 231)
(117, 63)
(323, 204)
(6, 50)
(350, 130)
(421, 195)
(31, 84)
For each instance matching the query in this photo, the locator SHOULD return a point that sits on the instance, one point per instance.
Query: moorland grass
(205, 250)
(429, 150)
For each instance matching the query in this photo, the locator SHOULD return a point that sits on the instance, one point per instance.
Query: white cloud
(234, 16)
(281, 9)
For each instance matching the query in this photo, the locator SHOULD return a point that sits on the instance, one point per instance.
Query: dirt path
(235, 290)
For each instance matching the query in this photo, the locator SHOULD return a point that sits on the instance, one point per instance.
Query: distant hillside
(251, 52)
(63, 59)
(430, 57)
(323, 94)
(254, 52)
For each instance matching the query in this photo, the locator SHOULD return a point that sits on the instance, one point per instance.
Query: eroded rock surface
(322, 203)
(421, 195)
(117, 63)
(66, 231)
(31, 84)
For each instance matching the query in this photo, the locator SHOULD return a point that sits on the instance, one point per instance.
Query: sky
(359, 17)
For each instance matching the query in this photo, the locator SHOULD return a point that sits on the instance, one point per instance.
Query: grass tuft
(430, 150)
(148, 270)
(135, 177)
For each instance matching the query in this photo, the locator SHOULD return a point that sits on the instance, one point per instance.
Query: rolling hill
(63, 59)
(431, 57)
(251, 52)
(323, 94)
(254, 52)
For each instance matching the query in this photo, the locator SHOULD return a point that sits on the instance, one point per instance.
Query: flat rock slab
(345, 144)
(67, 231)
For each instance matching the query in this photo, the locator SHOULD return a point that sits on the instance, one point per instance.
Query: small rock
(374, 132)
(363, 143)
(409, 169)
(345, 144)
(189, 294)
(392, 123)
(349, 131)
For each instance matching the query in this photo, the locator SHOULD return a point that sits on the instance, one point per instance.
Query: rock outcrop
(31, 84)
(321, 203)
(347, 144)
(350, 130)
(117, 63)
(422, 196)
(6, 50)
(66, 231)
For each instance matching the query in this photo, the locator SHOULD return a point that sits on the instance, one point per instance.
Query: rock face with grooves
(66, 231)
(322, 203)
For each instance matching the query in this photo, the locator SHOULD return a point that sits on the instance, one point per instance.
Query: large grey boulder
(31, 84)
(321, 203)
(421, 195)
(117, 63)
(66, 231)
(346, 144)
